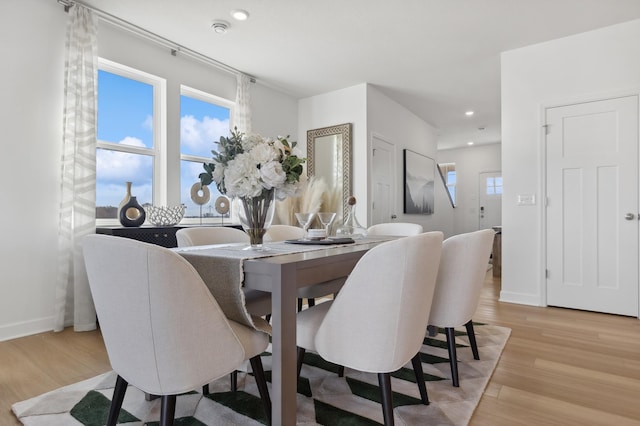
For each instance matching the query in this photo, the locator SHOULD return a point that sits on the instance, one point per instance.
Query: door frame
(480, 189)
(394, 172)
(542, 188)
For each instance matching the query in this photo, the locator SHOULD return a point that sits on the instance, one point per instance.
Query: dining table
(280, 270)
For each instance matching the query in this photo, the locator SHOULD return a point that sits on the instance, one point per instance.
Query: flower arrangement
(248, 165)
(257, 171)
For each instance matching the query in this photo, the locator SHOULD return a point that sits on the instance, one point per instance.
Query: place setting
(318, 236)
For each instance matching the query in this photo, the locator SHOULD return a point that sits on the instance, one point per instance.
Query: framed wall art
(419, 173)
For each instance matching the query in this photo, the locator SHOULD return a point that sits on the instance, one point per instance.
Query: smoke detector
(220, 27)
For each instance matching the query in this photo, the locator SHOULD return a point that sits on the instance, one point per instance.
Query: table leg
(283, 376)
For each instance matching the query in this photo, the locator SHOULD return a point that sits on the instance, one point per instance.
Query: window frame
(445, 168)
(493, 186)
(209, 98)
(158, 152)
(218, 101)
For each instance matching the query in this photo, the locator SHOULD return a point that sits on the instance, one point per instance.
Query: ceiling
(438, 58)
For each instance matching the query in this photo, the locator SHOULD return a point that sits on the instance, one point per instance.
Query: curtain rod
(173, 47)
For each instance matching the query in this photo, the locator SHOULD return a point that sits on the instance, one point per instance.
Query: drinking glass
(326, 219)
(304, 219)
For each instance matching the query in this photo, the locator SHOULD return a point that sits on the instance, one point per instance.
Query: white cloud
(115, 166)
(132, 141)
(198, 137)
(148, 123)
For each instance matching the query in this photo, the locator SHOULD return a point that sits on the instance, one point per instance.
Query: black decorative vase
(132, 214)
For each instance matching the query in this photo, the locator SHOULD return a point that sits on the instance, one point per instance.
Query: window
(448, 172)
(130, 140)
(494, 185)
(203, 119)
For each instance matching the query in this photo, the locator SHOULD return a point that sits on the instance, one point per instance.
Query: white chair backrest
(463, 265)
(203, 236)
(163, 330)
(283, 232)
(398, 229)
(378, 320)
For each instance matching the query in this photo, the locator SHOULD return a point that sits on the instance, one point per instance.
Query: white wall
(587, 66)
(31, 83)
(371, 112)
(339, 107)
(395, 124)
(470, 162)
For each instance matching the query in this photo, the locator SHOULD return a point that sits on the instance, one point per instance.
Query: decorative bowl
(164, 216)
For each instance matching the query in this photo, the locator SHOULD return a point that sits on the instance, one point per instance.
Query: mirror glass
(328, 156)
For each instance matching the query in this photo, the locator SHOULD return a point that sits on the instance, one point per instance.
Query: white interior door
(592, 206)
(490, 198)
(383, 171)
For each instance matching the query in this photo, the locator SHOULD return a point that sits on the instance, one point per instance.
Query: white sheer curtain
(241, 120)
(242, 111)
(74, 304)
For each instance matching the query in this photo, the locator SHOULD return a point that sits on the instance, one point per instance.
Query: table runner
(220, 267)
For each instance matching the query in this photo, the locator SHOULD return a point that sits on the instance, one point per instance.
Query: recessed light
(240, 15)
(468, 113)
(470, 143)
(220, 27)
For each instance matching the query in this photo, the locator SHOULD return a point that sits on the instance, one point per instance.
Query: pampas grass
(316, 196)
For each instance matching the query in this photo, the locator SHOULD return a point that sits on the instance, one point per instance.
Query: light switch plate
(526, 199)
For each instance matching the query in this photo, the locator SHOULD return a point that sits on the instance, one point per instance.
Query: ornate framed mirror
(329, 156)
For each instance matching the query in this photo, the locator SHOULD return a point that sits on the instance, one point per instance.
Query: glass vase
(351, 227)
(256, 215)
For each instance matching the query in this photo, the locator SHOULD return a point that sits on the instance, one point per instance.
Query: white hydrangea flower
(251, 141)
(264, 153)
(218, 172)
(254, 164)
(272, 174)
(288, 190)
(242, 177)
(280, 147)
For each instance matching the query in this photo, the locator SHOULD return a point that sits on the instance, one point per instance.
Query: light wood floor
(559, 367)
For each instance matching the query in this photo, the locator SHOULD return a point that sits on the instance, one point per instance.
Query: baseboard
(26, 328)
(521, 298)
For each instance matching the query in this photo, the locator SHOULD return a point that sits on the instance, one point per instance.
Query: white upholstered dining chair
(206, 235)
(463, 265)
(283, 232)
(376, 323)
(398, 229)
(163, 330)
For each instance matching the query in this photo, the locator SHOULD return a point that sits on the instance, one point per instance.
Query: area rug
(323, 397)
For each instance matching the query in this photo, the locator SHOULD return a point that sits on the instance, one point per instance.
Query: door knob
(629, 216)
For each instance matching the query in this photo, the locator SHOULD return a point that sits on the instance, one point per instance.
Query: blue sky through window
(125, 117)
(125, 110)
(201, 125)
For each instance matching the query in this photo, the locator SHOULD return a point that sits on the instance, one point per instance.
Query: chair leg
(341, 371)
(417, 369)
(116, 401)
(384, 379)
(233, 377)
(205, 389)
(453, 357)
(299, 304)
(311, 302)
(300, 359)
(261, 381)
(167, 410)
(472, 339)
